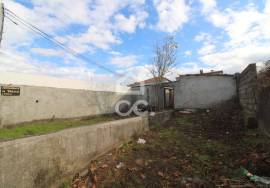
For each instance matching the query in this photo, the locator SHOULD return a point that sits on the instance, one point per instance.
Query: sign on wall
(10, 91)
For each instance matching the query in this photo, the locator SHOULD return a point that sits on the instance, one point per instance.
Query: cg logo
(135, 107)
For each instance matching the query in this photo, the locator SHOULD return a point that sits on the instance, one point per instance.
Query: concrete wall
(247, 92)
(37, 103)
(40, 160)
(203, 91)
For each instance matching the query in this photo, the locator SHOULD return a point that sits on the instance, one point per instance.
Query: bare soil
(202, 149)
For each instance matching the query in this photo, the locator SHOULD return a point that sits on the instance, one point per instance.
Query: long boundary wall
(247, 93)
(40, 160)
(44, 103)
(264, 110)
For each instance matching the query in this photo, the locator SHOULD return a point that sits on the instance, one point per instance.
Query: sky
(120, 34)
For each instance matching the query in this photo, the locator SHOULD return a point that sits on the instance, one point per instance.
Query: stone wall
(41, 160)
(44, 103)
(247, 93)
(264, 110)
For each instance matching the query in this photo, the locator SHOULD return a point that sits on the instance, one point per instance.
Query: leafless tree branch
(163, 61)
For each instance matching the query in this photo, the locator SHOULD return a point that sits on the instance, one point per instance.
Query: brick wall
(247, 92)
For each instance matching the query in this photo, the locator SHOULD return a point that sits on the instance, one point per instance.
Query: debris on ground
(105, 166)
(152, 113)
(87, 181)
(187, 111)
(192, 182)
(257, 179)
(199, 149)
(141, 141)
(120, 165)
(139, 162)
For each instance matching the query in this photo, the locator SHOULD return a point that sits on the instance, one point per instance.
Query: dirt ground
(200, 149)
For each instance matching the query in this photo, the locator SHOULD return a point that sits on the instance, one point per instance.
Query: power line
(17, 21)
(35, 29)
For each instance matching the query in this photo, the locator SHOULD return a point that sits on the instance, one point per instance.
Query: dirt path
(192, 150)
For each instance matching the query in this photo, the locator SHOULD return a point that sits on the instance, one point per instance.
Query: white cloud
(52, 16)
(47, 52)
(129, 24)
(103, 30)
(17, 69)
(208, 43)
(100, 31)
(125, 24)
(206, 49)
(115, 53)
(137, 73)
(172, 14)
(96, 82)
(188, 53)
(124, 61)
(208, 5)
(22, 63)
(202, 37)
(95, 37)
(238, 58)
(188, 68)
(247, 32)
(240, 29)
(267, 7)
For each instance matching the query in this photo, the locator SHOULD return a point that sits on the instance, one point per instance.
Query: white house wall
(203, 91)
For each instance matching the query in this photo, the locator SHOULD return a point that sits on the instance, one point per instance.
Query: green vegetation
(38, 128)
(65, 185)
(188, 147)
(184, 122)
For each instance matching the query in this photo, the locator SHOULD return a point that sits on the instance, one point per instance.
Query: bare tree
(164, 57)
(264, 76)
(163, 61)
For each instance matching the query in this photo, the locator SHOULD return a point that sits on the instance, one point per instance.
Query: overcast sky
(120, 34)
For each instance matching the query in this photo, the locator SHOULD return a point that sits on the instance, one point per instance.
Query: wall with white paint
(200, 91)
(43, 103)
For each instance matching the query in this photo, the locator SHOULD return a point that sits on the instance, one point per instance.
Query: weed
(38, 128)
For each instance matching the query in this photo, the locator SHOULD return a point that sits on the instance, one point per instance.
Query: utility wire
(16, 20)
(35, 29)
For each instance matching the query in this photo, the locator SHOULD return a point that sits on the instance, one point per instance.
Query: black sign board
(10, 91)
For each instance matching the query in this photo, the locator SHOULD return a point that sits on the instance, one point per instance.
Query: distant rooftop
(211, 73)
(150, 81)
